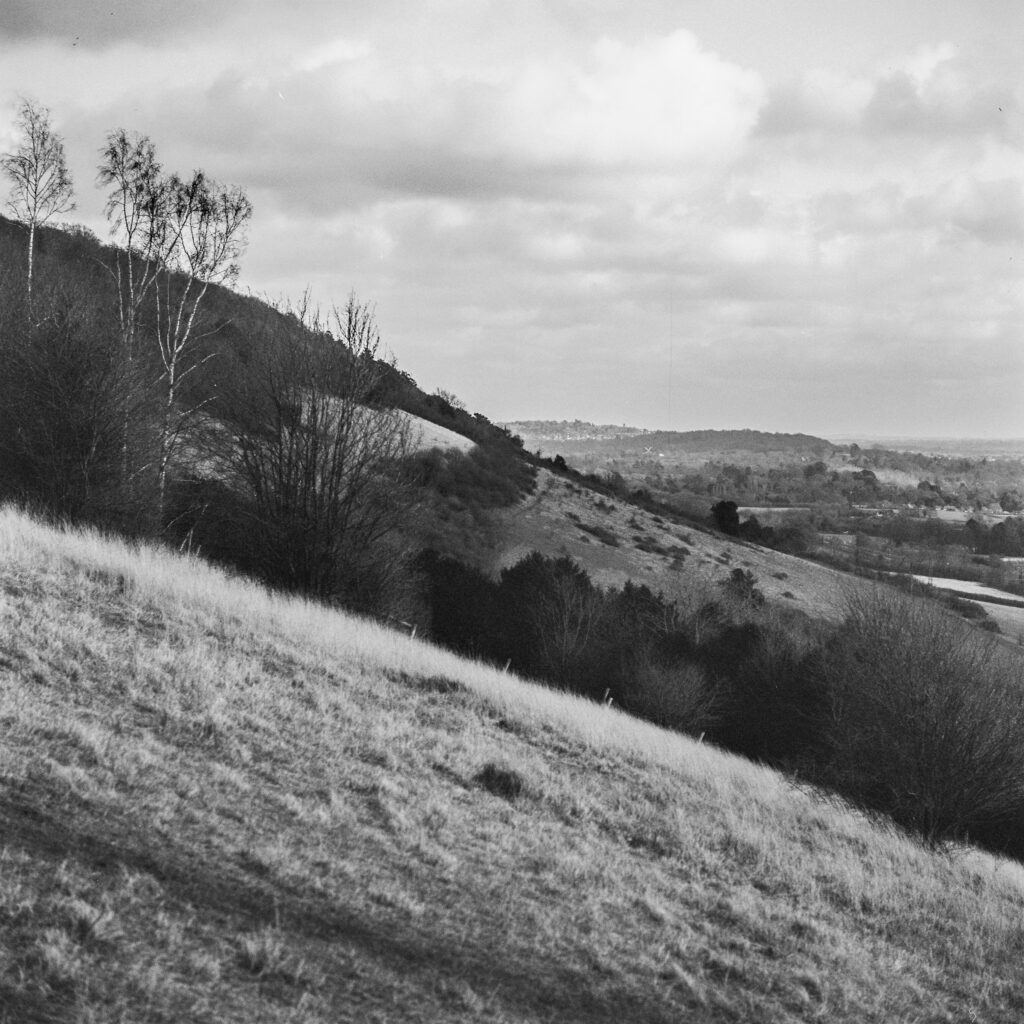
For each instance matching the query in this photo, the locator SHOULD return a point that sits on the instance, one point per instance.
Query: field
(219, 805)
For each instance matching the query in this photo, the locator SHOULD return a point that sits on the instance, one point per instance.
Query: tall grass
(636, 856)
(184, 583)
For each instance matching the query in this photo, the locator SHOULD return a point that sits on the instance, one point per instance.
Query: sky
(797, 215)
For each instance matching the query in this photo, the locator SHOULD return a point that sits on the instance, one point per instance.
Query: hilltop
(220, 805)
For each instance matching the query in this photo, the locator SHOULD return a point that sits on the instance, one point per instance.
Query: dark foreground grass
(218, 807)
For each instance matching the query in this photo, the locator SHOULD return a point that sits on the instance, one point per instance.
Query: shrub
(725, 515)
(926, 721)
(602, 533)
(501, 781)
(742, 585)
(677, 696)
(773, 708)
(74, 432)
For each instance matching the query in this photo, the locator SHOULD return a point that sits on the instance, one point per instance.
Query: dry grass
(428, 435)
(560, 519)
(219, 805)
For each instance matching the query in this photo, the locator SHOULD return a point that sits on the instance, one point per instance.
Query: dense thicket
(74, 428)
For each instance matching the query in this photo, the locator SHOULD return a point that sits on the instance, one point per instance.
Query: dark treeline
(1002, 538)
(1005, 537)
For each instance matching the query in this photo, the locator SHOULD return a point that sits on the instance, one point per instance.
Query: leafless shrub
(677, 696)
(926, 720)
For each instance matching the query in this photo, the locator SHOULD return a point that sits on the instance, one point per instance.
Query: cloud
(821, 100)
(657, 102)
(345, 124)
(102, 22)
(943, 105)
(990, 211)
(932, 92)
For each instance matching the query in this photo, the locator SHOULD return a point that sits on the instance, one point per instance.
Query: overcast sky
(799, 215)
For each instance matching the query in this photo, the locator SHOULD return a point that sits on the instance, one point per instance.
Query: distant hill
(577, 438)
(570, 430)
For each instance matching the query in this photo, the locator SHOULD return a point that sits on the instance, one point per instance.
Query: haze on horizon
(806, 217)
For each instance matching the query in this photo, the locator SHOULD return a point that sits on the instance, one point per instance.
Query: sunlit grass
(224, 804)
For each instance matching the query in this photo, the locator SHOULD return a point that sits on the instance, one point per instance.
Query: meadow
(220, 804)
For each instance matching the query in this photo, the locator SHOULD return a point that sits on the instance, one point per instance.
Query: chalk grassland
(432, 435)
(218, 805)
(615, 542)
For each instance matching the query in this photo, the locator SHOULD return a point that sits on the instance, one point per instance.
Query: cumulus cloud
(344, 124)
(932, 92)
(653, 103)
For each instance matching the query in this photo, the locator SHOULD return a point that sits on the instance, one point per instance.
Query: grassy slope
(432, 435)
(544, 523)
(221, 806)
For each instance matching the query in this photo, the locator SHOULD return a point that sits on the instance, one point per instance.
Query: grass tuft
(501, 781)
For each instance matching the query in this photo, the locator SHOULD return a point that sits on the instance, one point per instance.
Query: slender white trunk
(31, 254)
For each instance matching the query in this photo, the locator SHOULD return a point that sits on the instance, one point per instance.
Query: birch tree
(205, 235)
(178, 236)
(40, 181)
(136, 209)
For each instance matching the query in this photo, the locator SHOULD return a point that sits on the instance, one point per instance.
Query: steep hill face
(217, 805)
(73, 260)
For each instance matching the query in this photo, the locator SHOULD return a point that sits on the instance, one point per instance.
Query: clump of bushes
(602, 533)
(482, 478)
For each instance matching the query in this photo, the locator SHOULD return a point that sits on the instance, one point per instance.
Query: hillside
(72, 261)
(222, 806)
(616, 542)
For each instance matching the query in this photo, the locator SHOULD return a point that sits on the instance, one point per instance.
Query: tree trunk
(31, 254)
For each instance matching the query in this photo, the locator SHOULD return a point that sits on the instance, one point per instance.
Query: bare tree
(567, 617)
(204, 238)
(179, 236)
(321, 461)
(40, 181)
(137, 210)
(926, 720)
